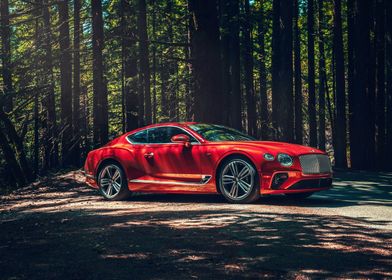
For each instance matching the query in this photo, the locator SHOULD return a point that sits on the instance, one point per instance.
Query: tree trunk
(6, 55)
(10, 158)
(265, 121)
(76, 84)
(16, 140)
(311, 77)
(350, 71)
(50, 124)
(298, 99)
(322, 78)
(380, 105)
(225, 65)
(205, 57)
(154, 63)
(189, 94)
(340, 142)
(234, 64)
(100, 100)
(282, 70)
(388, 48)
(360, 98)
(130, 66)
(248, 70)
(66, 84)
(144, 71)
(37, 76)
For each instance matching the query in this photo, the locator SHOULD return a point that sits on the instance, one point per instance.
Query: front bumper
(294, 182)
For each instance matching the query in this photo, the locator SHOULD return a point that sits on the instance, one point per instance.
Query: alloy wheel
(110, 180)
(237, 179)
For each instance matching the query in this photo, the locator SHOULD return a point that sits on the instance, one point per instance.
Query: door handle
(149, 155)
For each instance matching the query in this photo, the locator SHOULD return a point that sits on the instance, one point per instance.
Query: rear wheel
(299, 196)
(238, 181)
(113, 182)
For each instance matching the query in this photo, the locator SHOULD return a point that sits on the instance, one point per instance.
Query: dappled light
(64, 228)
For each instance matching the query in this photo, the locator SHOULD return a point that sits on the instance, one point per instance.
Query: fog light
(279, 179)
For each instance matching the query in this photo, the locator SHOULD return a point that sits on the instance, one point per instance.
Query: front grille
(315, 164)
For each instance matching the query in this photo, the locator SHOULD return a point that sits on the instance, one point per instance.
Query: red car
(205, 158)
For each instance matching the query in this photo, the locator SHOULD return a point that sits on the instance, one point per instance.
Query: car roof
(169, 124)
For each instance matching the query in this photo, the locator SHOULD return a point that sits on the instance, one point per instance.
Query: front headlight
(269, 157)
(285, 160)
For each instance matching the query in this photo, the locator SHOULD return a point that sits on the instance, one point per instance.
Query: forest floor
(60, 228)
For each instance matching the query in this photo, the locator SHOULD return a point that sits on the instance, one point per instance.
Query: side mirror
(181, 138)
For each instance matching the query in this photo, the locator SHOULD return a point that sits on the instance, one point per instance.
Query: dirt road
(59, 228)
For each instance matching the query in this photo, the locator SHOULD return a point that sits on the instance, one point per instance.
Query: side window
(175, 130)
(140, 137)
(158, 135)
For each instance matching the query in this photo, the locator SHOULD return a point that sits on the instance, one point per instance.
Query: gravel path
(59, 228)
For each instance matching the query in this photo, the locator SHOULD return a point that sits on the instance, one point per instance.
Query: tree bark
(388, 48)
(235, 116)
(144, 71)
(205, 57)
(322, 78)
(340, 139)
(66, 84)
(154, 63)
(130, 66)
(248, 70)
(298, 99)
(282, 70)
(350, 70)
(312, 118)
(380, 97)
(16, 140)
(361, 97)
(10, 158)
(265, 120)
(189, 97)
(50, 124)
(100, 100)
(76, 84)
(225, 59)
(6, 55)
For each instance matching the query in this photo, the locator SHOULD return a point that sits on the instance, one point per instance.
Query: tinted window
(158, 135)
(216, 133)
(139, 137)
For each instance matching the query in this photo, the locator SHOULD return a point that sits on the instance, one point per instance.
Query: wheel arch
(227, 157)
(106, 161)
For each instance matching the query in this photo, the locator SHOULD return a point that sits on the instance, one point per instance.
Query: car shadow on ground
(350, 188)
(61, 229)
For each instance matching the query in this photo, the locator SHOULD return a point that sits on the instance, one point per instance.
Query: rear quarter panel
(123, 154)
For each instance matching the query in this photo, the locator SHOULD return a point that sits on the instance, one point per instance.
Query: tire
(112, 182)
(238, 181)
(299, 196)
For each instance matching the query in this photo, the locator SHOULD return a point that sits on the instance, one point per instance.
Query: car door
(174, 162)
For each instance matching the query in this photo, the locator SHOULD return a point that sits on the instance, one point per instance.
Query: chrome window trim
(168, 143)
(205, 179)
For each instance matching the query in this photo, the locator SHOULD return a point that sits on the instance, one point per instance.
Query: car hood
(276, 147)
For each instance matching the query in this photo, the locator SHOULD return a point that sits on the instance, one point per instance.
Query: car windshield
(216, 133)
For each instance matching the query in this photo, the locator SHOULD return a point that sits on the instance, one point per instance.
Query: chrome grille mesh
(315, 164)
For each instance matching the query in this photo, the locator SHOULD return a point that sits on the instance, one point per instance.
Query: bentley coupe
(205, 158)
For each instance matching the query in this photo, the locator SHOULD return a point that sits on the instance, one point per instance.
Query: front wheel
(238, 181)
(113, 182)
